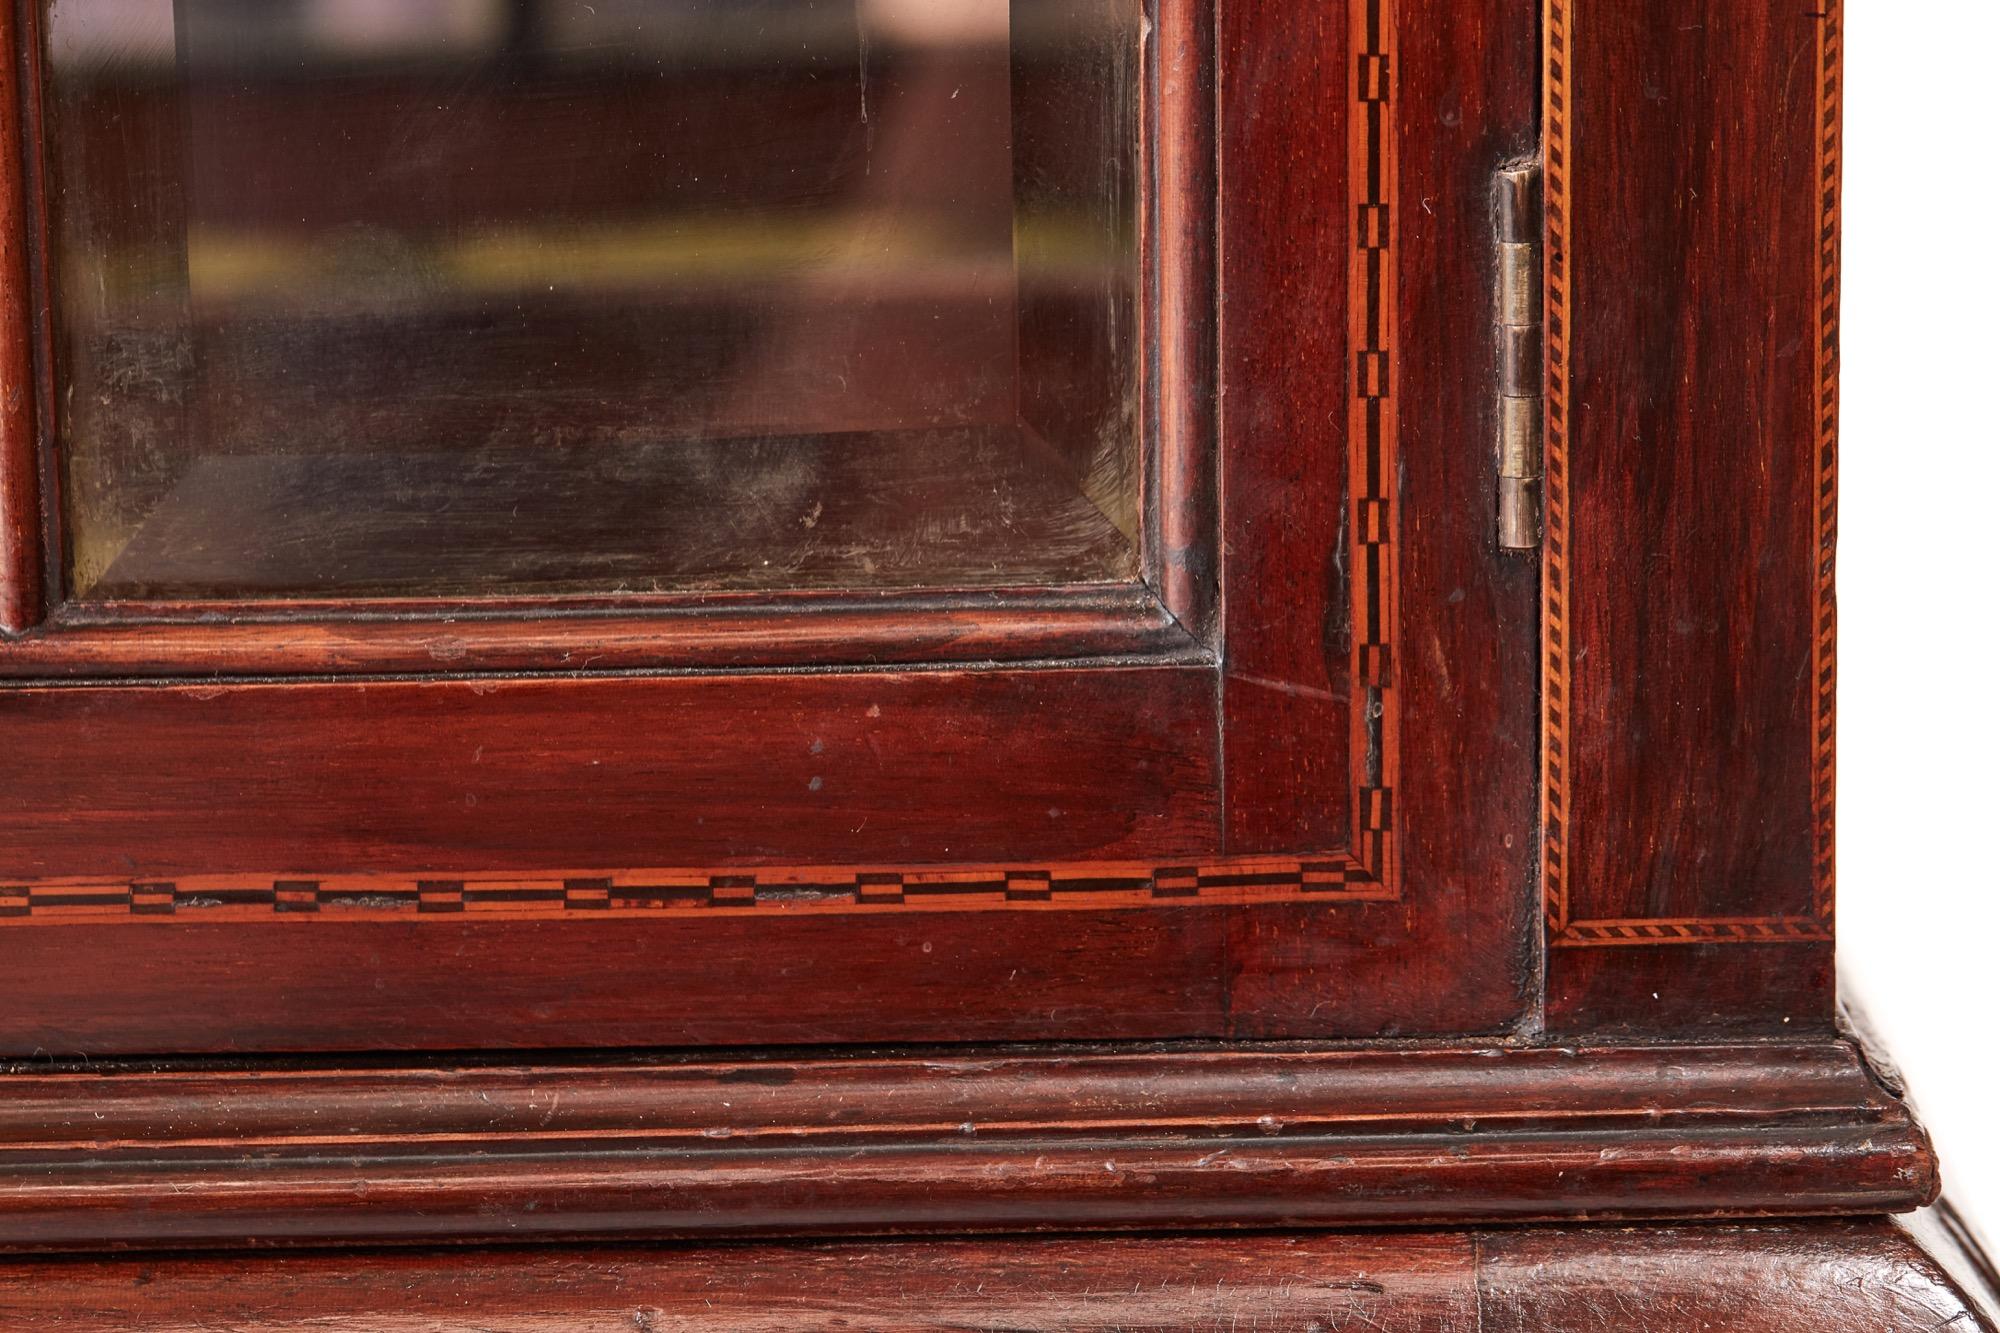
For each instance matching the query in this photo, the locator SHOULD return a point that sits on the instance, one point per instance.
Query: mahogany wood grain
(1833, 1277)
(1856, 1276)
(1173, 1137)
(21, 572)
(270, 757)
(1330, 665)
(1288, 683)
(196, 639)
(136, 781)
(1738, 988)
(1953, 1240)
(1333, 968)
(1457, 732)
(1690, 568)
(1180, 192)
(433, 983)
(1140, 1285)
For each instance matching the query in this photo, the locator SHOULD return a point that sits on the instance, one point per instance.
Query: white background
(1919, 831)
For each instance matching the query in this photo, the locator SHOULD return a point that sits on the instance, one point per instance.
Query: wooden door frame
(1258, 798)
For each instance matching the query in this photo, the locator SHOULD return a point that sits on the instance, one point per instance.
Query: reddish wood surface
(1358, 691)
(1690, 546)
(1288, 687)
(1952, 1239)
(1418, 771)
(137, 781)
(1740, 988)
(458, 984)
(21, 574)
(1840, 1277)
(1458, 726)
(1182, 181)
(610, 634)
(215, 790)
(1078, 1287)
(1016, 973)
(1013, 1141)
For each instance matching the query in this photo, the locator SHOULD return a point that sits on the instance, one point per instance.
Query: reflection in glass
(379, 297)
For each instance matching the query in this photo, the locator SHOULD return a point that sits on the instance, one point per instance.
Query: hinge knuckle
(1518, 325)
(1520, 285)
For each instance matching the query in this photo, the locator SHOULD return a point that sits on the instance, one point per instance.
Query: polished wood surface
(1831, 1277)
(1693, 205)
(999, 625)
(1867, 1275)
(948, 1141)
(928, 767)
(1326, 664)
(21, 565)
(1194, 881)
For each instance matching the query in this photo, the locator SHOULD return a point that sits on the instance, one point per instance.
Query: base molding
(1841, 1276)
(966, 1141)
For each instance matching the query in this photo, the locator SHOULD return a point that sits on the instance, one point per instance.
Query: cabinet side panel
(1688, 544)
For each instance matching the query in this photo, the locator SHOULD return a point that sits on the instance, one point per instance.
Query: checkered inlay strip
(1082, 885)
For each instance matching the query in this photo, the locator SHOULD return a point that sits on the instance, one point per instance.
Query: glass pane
(459, 297)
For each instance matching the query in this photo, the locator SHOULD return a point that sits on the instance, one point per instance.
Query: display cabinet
(669, 620)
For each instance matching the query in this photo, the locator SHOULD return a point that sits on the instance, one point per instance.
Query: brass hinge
(1518, 219)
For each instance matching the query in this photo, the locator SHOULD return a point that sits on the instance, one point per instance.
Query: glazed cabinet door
(675, 523)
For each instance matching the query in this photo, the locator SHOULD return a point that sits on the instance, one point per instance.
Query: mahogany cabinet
(671, 620)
